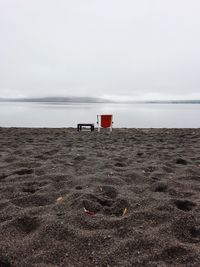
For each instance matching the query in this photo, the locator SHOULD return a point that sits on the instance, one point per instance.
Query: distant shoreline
(94, 100)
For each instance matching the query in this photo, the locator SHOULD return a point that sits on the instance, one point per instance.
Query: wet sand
(129, 198)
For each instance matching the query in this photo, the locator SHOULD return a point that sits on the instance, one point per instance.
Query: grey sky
(137, 48)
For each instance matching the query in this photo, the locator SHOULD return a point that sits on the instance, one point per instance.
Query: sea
(65, 114)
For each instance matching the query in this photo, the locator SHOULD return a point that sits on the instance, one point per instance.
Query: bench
(80, 125)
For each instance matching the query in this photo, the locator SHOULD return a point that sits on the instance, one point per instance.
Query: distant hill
(174, 102)
(163, 102)
(57, 99)
(94, 100)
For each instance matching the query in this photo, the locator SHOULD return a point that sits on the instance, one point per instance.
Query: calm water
(125, 115)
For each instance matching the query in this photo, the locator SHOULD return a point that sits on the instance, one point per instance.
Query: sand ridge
(129, 198)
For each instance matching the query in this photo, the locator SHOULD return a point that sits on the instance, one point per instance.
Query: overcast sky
(140, 49)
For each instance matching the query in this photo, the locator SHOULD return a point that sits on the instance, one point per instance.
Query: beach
(126, 198)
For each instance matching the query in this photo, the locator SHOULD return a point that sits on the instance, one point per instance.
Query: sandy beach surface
(129, 198)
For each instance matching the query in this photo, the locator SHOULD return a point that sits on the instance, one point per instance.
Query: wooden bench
(80, 125)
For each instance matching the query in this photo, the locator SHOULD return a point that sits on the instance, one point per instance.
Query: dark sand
(130, 198)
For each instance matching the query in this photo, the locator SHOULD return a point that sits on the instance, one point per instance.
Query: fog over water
(124, 115)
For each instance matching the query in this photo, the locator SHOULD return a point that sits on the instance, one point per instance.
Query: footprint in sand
(106, 206)
(78, 187)
(18, 172)
(160, 187)
(30, 190)
(32, 201)
(173, 253)
(32, 187)
(26, 224)
(24, 171)
(105, 201)
(79, 158)
(181, 161)
(184, 205)
(120, 164)
(186, 229)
